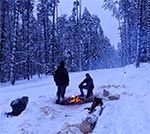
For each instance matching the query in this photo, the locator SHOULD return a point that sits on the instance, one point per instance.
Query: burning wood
(76, 100)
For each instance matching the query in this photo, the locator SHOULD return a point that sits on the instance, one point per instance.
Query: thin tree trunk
(2, 41)
(28, 42)
(139, 32)
(148, 32)
(53, 40)
(13, 51)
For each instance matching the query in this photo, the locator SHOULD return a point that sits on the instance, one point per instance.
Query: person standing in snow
(61, 79)
(87, 84)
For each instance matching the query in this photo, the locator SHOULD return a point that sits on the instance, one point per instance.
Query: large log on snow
(89, 123)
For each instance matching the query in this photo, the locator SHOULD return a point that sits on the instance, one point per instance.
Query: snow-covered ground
(128, 115)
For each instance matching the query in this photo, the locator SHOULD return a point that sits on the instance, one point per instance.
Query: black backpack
(18, 106)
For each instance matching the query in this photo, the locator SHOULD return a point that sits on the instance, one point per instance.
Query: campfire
(74, 100)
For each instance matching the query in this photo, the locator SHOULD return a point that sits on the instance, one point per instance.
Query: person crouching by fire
(61, 79)
(87, 84)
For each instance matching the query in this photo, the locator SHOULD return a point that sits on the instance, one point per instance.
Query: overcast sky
(109, 23)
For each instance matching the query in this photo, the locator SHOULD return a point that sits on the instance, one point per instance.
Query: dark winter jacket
(96, 102)
(88, 82)
(61, 76)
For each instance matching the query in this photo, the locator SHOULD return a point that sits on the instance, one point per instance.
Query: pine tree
(86, 38)
(78, 34)
(45, 9)
(26, 8)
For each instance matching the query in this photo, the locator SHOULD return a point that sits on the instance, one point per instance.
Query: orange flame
(75, 99)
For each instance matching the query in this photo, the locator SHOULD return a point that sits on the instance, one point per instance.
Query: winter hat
(62, 63)
(87, 75)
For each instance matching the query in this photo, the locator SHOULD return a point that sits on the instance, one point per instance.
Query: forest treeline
(34, 38)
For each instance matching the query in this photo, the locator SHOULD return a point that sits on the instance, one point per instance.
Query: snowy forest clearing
(130, 114)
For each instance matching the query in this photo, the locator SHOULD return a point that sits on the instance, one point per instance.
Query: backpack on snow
(18, 106)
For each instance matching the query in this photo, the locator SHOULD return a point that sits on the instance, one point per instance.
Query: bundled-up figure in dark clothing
(61, 79)
(87, 84)
(18, 106)
(96, 102)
